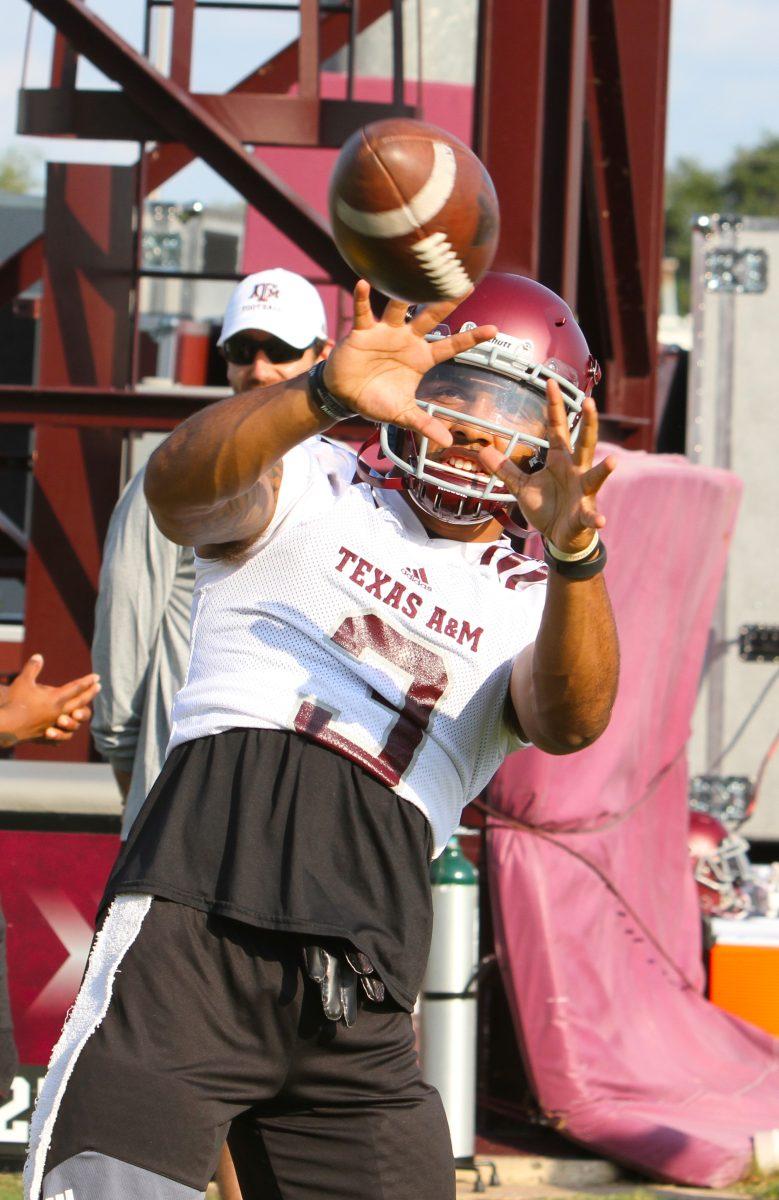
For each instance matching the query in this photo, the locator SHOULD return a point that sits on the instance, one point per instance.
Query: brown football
(413, 210)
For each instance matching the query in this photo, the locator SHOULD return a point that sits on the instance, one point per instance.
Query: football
(413, 210)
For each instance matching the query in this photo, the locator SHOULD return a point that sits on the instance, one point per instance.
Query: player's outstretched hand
(560, 501)
(29, 709)
(376, 369)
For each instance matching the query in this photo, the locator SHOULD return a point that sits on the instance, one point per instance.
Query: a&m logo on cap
(264, 293)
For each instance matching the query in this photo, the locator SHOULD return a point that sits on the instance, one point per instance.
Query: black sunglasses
(242, 348)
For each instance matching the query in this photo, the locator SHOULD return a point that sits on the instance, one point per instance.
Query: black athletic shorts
(189, 1024)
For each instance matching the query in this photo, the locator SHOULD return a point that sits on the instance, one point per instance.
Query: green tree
(690, 190)
(748, 184)
(17, 172)
(751, 180)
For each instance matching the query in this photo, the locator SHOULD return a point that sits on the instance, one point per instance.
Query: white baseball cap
(278, 302)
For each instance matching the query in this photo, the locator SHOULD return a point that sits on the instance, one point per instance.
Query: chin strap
(369, 470)
(511, 527)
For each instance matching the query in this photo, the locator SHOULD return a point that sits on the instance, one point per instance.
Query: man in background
(274, 329)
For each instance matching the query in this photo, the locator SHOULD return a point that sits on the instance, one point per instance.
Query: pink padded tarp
(597, 921)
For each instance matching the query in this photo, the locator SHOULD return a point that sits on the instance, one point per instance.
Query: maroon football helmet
(497, 389)
(720, 863)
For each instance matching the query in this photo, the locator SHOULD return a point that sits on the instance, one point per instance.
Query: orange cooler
(744, 969)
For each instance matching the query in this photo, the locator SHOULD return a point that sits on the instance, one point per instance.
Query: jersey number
(429, 680)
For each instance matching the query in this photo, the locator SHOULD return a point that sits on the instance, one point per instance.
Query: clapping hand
(30, 710)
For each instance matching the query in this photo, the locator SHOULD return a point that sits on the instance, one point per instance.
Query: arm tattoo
(268, 486)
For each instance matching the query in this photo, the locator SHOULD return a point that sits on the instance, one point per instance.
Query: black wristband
(325, 401)
(586, 569)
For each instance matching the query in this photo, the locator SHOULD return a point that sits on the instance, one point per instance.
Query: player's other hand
(29, 709)
(376, 369)
(560, 501)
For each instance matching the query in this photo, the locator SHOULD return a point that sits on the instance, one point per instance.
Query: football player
(367, 647)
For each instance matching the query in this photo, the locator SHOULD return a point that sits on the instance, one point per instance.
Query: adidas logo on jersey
(418, 575)
(68, 1195)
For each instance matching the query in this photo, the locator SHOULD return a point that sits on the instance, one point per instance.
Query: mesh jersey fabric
(348, 624)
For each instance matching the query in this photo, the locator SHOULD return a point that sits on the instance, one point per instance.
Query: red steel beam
(21, 270)
(563, 151)
(271, 120)
(274, 76)
(84, 335)
(181, 42)
(121, 408)
(529, 131)
(614, 179)
(308, 49)
(643, 34)
(109, 115)
(568, 91)
(186, 121)
(63, 64)
(573, 196)
(84, 339)
(97, 407)
(86, 408)
(509, 122)
(626, 117)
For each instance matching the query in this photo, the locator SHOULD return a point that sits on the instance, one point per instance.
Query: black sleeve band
(325, 401)
(578, 570)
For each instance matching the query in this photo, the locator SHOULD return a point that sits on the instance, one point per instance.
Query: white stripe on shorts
(120, 929)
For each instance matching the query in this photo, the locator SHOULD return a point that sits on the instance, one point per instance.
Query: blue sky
(724, 85)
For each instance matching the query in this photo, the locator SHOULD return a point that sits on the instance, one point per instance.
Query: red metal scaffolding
(569, 119)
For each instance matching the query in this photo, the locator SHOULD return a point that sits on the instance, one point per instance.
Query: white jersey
(350, 625)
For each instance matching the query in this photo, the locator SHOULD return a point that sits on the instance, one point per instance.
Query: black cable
(761, 770)
(737, 735)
